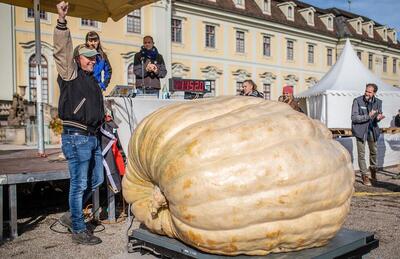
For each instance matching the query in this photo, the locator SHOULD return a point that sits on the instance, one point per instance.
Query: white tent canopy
(331, 99)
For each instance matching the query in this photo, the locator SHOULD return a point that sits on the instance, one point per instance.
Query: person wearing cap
(249, 88)
(148, 67)
(287, 97)
(81, 109)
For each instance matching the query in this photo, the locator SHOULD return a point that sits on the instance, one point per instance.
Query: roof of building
(341, 28)
(347, 76)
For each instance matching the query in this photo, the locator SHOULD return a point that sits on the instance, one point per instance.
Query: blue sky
(385, 12)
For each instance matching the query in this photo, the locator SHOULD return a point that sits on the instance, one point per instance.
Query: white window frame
(330, 23)
(89, 27)
(132, 16)
(310, 54)
(239, 3)
(359, 55)
(176, 33)
(32, 19)
(370, 61)
(237, 32)
(267, 91)
(384, 64)
(264, 44)
(207, 41)
(288, 56)
(290, 13)
(329, 56)
(267, 7)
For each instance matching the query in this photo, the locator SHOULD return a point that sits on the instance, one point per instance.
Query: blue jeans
(85, 163)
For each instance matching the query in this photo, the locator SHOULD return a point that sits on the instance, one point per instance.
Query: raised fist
(62, 9)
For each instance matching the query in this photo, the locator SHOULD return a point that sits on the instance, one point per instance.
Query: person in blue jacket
(102, 69)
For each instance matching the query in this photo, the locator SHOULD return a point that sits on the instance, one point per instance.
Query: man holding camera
(365, 115)
(149, 67)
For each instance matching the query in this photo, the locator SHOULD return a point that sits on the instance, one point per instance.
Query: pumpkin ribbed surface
(238, 175)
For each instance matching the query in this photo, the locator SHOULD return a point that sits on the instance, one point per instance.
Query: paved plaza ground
(373, 209)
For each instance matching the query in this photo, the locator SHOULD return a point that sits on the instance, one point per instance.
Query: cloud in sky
(385, 12)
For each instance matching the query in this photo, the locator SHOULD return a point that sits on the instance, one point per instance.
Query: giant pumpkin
(238, 175)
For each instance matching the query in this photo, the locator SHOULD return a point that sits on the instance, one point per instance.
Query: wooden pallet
(392, 130)
(341, 132)
(336, 132)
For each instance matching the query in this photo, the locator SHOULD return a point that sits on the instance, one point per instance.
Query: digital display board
(189, 85)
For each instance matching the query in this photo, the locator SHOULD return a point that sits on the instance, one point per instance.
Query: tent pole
(38, 56)
(326, 109)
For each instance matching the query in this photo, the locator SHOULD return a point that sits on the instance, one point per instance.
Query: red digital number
(189, 85)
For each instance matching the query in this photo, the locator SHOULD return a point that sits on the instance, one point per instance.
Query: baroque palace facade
(273, 42)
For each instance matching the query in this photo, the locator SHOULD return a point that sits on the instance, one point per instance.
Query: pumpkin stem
(157, 202)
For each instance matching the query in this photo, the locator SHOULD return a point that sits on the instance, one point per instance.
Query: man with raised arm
(81, 109)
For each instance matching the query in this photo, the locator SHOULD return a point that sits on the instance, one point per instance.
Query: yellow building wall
(115, 41)
(193, 54)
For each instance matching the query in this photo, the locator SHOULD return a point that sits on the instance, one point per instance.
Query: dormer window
(369, 28)
(327, 19)
(382, 31)
(266, 6)
(330, 22)
(356, 24)
(288, 9)
(290, 12)
(308, 15)
(239, 3)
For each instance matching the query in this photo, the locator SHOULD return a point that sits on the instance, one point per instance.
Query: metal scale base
(346, 244)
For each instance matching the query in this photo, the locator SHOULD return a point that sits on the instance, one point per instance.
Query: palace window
(359, 55)
(290, 12)
(267, 91)
(310, 54)
(370, 61)
(240, 42)
(176, 31)
(210, 36)
(329, 57)
(45, 78)
(89, 23)
(239, 86)
(385, 64)
(133, 21)
(289, 50)
(31, 14)
(267, 46)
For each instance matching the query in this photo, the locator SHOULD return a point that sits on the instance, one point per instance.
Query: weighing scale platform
(346, 244)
